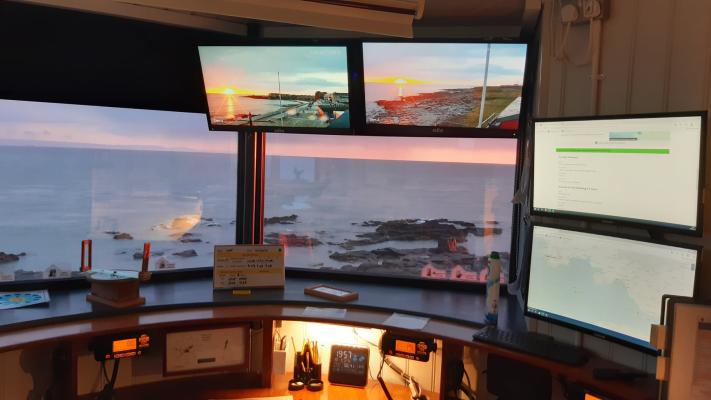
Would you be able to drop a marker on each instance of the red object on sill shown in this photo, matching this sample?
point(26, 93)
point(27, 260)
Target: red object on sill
point(85, 256)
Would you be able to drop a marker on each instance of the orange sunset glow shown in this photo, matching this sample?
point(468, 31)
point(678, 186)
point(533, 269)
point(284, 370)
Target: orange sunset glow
point(446, 150)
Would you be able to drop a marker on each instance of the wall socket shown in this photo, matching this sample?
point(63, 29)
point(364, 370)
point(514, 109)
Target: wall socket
point(595, 9)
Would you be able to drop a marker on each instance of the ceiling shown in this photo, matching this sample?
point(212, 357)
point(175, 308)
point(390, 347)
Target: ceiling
point(472, 12)
point(446, 18)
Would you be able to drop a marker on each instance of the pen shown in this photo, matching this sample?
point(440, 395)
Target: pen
point(293, 344)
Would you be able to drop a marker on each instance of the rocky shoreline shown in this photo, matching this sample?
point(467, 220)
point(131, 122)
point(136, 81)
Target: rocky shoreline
point(448, 258)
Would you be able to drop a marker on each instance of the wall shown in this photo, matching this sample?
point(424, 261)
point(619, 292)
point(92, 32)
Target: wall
point(655, 56)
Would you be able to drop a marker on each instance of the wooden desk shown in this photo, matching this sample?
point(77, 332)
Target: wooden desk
point(454, 317)
point(372, 391)
point(217, 388)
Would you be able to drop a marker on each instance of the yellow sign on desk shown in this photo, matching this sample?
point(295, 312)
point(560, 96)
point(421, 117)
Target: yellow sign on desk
point(248, 266)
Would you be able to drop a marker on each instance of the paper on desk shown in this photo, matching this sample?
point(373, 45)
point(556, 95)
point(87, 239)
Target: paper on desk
point(22, 299)
point(405, 321)
point(319, 312)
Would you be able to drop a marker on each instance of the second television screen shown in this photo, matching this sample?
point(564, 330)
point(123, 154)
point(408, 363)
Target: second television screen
point(301, 87)
point(442, 84)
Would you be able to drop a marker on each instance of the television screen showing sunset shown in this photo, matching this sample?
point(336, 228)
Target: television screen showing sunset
point(277, 86)
point(463, 85)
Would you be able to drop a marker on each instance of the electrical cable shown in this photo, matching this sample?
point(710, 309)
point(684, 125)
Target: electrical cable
point(370, 373)
point(560, 52)
point(108, 392)
point(103, 369)
point(411, 383)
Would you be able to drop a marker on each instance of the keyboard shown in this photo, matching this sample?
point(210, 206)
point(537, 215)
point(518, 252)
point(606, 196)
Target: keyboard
point(533, 344)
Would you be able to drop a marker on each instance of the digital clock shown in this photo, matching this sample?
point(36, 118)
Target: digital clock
point(349, 365)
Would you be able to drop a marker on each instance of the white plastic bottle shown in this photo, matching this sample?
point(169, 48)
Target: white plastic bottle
point(492, 289)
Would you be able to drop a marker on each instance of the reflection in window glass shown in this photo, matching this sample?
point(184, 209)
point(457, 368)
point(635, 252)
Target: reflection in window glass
point(414, 207)
point(117, 176)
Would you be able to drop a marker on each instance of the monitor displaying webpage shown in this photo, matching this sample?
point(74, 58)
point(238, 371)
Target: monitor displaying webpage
point(641, 170)
point(605, 284)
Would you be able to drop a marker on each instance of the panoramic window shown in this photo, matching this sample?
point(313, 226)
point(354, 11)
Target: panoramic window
point(432, 208)
point(120, 177)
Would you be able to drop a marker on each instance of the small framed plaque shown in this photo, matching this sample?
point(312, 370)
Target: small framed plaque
point(248, 266)
point(331, 293)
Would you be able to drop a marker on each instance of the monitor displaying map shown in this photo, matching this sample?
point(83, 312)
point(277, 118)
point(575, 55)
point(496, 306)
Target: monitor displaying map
point(606, 285)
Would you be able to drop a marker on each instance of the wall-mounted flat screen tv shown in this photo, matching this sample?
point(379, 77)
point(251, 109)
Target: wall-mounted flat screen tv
point(276, 88)
point(443, 88)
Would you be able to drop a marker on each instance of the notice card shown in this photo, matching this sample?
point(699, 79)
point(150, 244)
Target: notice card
point(405, 321)
point(318, 312)
point(248, 266)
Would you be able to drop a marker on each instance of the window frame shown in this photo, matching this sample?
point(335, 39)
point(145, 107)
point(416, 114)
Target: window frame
point(250, 179)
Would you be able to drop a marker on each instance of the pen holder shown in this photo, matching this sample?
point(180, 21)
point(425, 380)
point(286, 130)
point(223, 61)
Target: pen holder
point(279, 362)
point(316, 371)
point(300, 373)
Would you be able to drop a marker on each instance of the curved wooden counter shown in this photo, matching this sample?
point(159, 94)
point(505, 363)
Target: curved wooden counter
point(454, 317)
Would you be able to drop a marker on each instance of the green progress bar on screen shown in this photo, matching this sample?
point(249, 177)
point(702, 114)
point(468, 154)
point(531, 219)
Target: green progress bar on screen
point(608, 150)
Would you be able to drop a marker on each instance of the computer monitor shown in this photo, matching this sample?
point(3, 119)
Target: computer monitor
point(443, 89)
point(641, 170)
point(609, 286)
point(277, 88)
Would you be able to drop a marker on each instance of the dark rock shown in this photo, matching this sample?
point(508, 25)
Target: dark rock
point(286, 220)
point(410, 262)
point(186, 253)
point(123, 236)
point(441, 230)
point(291, 239)
point(388, 252)
point(371, 223)
point(351, 256)
point(112, 232)
point(8, 257)
point(486, 231)
point(139, 254)
point(22, 254)
point(214, 225)
point(190, 240)
point(206, 219)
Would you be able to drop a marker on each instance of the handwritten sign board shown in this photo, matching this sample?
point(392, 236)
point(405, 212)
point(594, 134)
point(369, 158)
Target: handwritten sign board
point(248, 266)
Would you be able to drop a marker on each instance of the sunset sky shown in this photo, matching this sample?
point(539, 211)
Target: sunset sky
point(253, 69)
point(448, 65)
point(62, 125)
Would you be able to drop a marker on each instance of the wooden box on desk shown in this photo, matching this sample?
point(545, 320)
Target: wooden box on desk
point(118, 289)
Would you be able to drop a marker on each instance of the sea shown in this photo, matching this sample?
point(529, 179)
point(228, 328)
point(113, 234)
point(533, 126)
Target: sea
point(52, 198)
point(222, 105)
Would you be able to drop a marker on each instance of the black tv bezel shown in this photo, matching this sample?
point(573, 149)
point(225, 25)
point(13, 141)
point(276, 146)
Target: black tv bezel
point(593, 332)
point(651, 226)
point(441, 131)
point(351, 60)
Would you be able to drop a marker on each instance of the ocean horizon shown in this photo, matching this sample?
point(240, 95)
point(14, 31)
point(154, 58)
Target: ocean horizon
point(185, 202)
